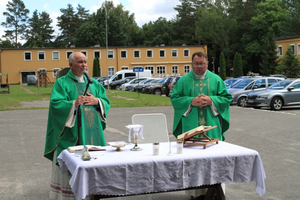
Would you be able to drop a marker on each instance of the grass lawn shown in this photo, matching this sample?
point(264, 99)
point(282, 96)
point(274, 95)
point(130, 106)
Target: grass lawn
point(117, 98)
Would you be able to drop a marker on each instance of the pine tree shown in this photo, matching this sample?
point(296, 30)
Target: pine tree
point(289, 65)
point(16, 19)
point(96, 67)
point(222, 73)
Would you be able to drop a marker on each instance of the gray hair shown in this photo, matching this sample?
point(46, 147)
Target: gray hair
point(71, 58)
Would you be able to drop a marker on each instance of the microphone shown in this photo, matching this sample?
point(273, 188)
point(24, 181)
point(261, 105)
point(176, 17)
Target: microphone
point(90, 81)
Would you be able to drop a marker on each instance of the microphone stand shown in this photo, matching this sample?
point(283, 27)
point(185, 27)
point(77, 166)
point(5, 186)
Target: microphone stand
point(79, 114)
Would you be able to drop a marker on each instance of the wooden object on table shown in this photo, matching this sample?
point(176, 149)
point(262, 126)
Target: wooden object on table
point(203, 139)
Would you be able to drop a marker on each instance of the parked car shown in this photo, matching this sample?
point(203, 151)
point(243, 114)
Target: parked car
point(171, 86)
point(117, 84)
point(146, 87)
point(231, 81)
point(165, 87)
point(241, 90)
point(283, 93)
point(156, 88)
point(130, 85)
point(278, 75)
point(139, 87)
point(102, 79)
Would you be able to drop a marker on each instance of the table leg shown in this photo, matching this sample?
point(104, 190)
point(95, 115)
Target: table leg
point(215, 192)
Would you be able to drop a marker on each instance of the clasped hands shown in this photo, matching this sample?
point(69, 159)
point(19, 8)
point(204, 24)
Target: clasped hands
point(201, 101)
point(88, 100)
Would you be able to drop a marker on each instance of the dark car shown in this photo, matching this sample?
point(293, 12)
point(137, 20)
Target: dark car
point(165, 88)
point(138, 88)
point(174, 81)
point(117, 84)
point(146, 87)
point(102, 79)
point(156, 88)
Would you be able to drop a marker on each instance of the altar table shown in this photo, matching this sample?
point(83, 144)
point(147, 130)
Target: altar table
point(138, 172)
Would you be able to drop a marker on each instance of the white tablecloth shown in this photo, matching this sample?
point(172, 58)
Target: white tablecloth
point(136, 172)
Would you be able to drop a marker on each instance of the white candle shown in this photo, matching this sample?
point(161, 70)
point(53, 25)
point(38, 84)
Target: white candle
point(179, 146)
point(155, 148)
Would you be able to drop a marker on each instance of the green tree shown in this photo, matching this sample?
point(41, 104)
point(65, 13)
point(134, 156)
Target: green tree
point(39, 32)
point(291, 26)
point(269, 56)
point(222, 72)
point(237, 66)
point(122, 29)
point(16, 20)
point(184, 26)
point(96, 67)
point(6, 44)
point(269, 15)
point(289, 64)
point(69, 22)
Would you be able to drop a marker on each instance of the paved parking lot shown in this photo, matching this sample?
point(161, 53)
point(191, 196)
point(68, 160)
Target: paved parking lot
point(25, 173)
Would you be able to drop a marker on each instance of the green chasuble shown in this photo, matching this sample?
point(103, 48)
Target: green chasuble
point(65, 91)
point(186, 89)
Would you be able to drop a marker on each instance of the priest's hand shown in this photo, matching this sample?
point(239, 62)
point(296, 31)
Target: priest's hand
point(80, 100)
point(90, 100)
point(201, 101)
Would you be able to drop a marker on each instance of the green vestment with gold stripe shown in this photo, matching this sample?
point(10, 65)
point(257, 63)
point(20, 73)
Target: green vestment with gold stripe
point(66, 89)
point(186, 89)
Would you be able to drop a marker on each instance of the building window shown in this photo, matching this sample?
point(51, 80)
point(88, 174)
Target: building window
point(149, 54)
point(124, 68)
point(85, 53)
point(110, 54)
point(174, 69)
point(68, 54)
point(55, 72)
point(162, 53)
point(27, 55)
point(136, 53)
point(161, 69)
point(279, 50)
point(186, 53)
point(186, 69)
point(174, 53)
point(97, 54)
point(123, 53)
point(298, 49)
point(111, 71)
point(151, 68)
point(41, 55)
point(292, 47)
point(55, 55)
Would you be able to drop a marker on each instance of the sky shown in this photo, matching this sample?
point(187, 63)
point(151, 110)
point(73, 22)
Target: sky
point(144, 11)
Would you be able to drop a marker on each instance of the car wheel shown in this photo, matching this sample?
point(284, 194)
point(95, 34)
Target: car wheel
point(117, 87)
point(157, 92)
point(242, 102)
point(276, 103)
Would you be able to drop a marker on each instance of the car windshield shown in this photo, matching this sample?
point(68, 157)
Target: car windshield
point(162, 80)
point(155, 81)
point(242, 84)
point(280, 85)
point(229, 81)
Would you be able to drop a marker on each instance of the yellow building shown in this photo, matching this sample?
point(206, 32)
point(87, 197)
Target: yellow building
point(161, 60)
point(283, 43)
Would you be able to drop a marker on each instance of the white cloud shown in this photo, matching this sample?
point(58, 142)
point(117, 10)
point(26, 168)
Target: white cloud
point(46, 6)
point(146, 11)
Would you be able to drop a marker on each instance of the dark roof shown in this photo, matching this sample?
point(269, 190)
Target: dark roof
point(287, 37)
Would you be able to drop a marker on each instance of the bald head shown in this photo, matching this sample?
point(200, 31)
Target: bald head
point(77, 63)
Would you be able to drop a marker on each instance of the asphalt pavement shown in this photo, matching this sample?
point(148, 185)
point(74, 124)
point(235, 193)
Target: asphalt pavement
point(25, 173)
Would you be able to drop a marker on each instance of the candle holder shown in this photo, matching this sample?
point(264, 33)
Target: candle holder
point(137, 130)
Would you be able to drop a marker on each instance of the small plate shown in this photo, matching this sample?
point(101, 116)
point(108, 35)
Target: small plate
point(117, 145)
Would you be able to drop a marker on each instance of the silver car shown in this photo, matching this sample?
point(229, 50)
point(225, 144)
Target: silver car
point(283, 93)
point(241, 90)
